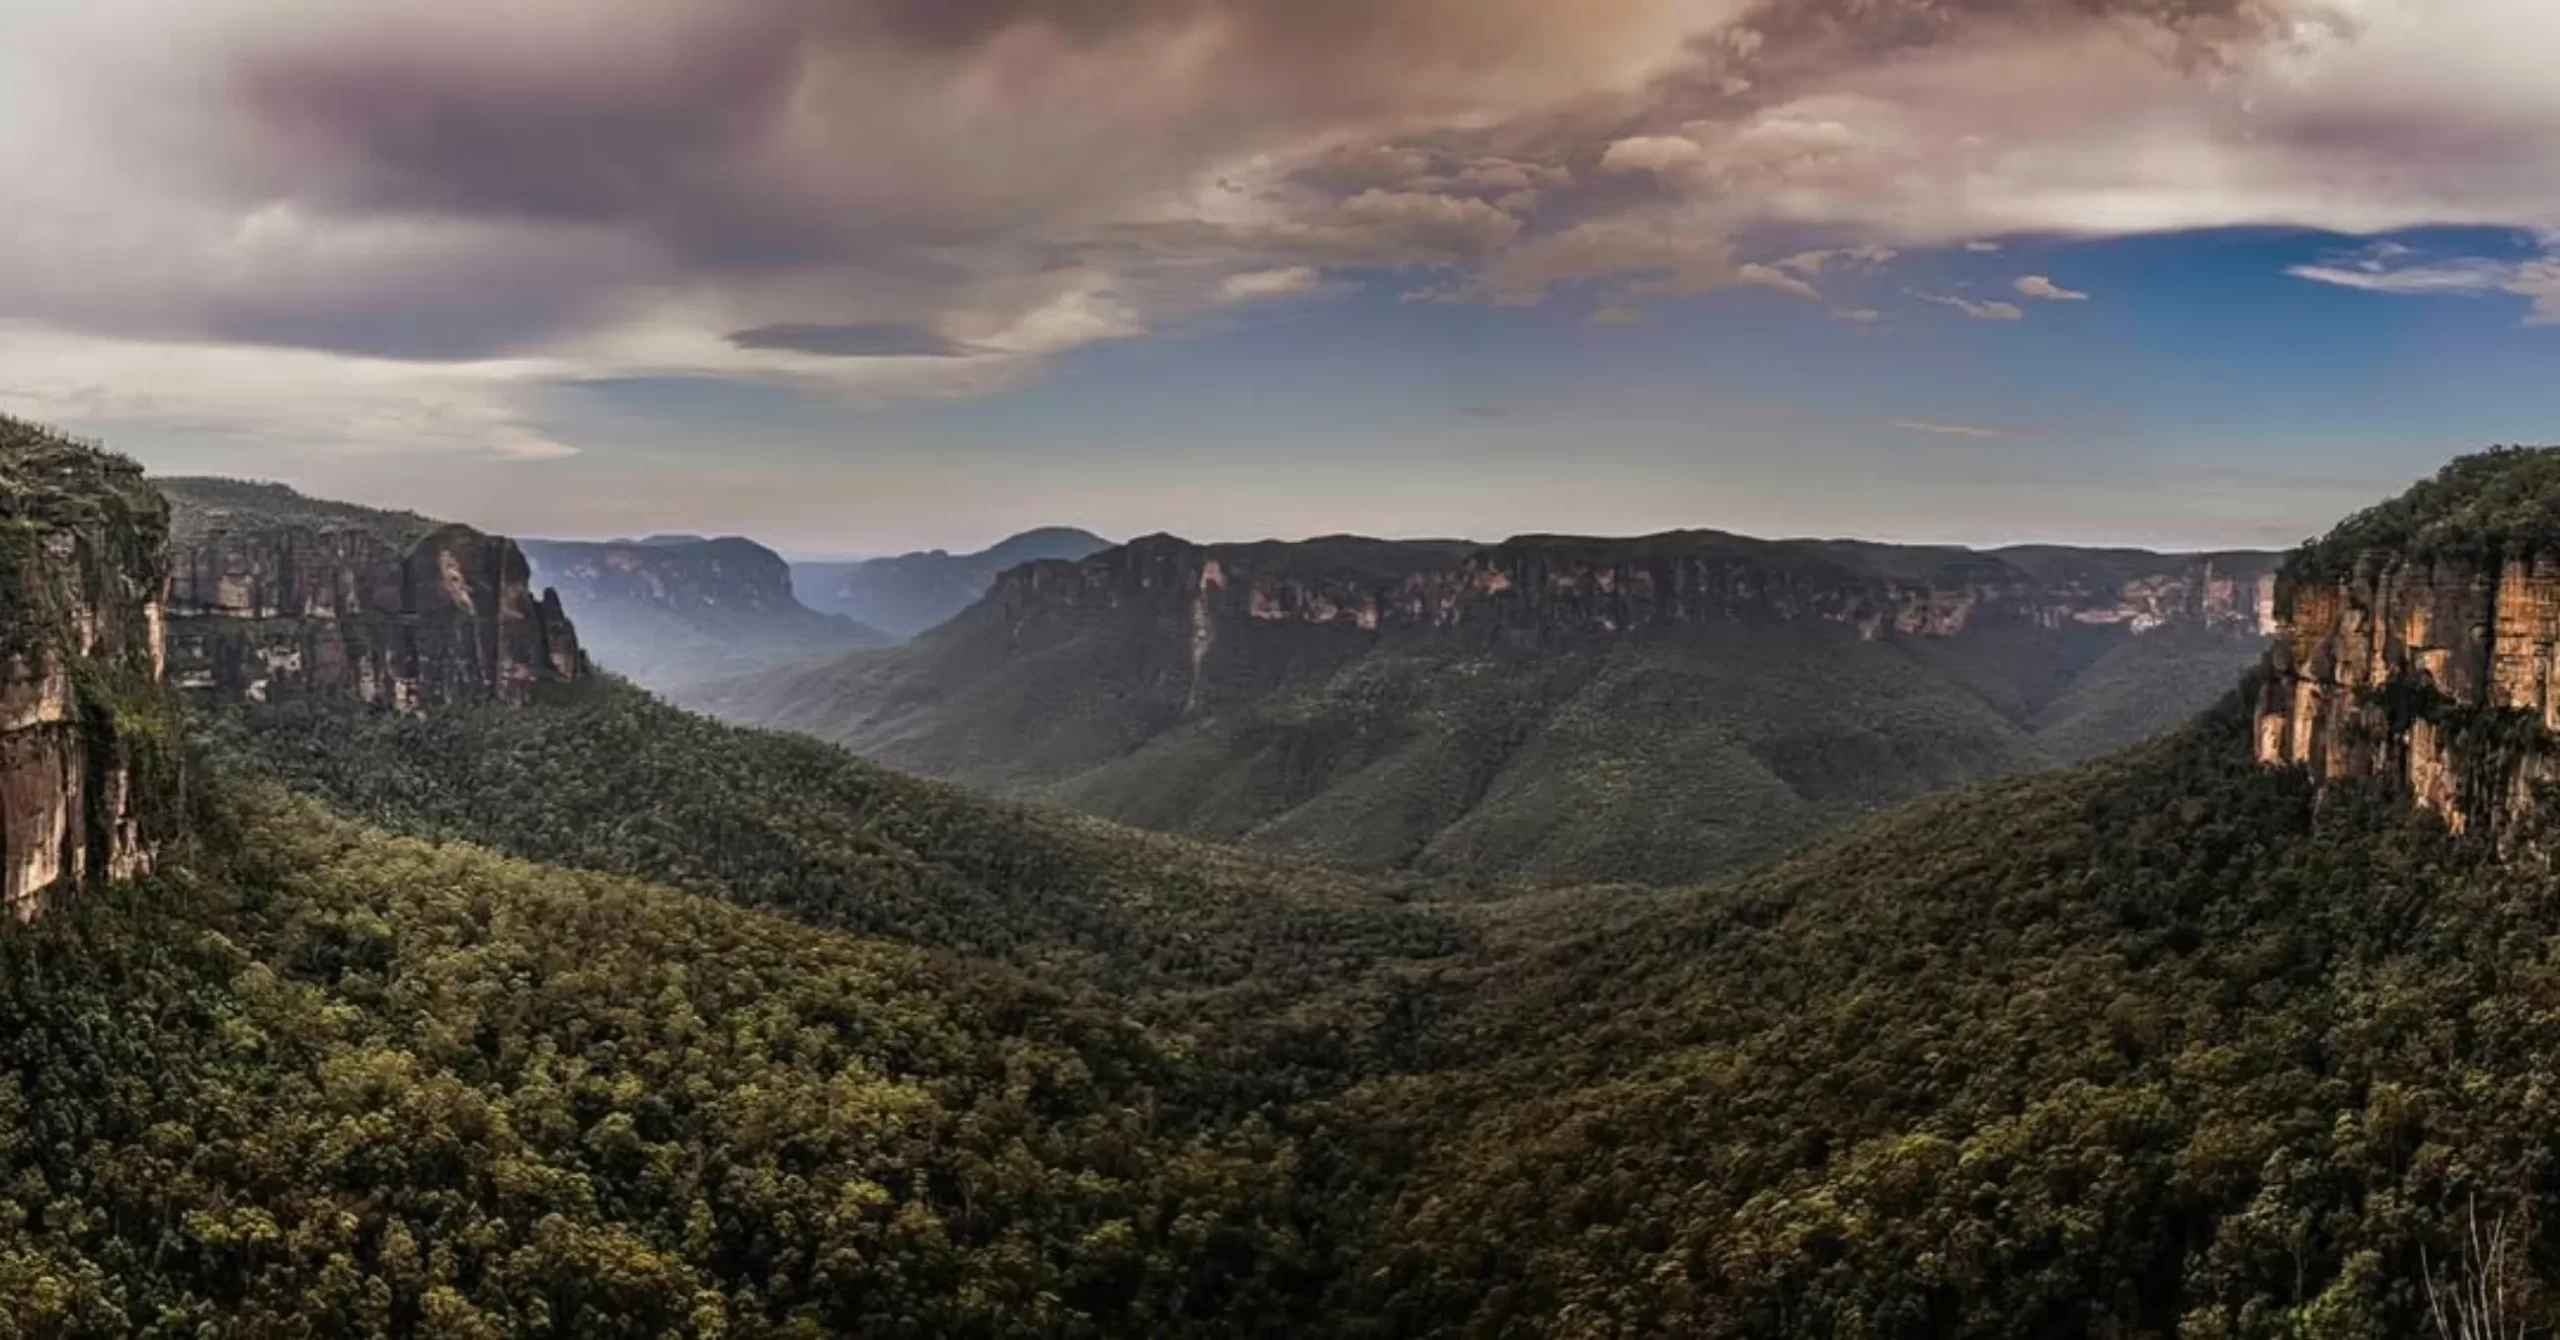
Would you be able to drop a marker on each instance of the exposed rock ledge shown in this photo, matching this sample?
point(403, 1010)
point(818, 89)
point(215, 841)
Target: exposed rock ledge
point(279, 611)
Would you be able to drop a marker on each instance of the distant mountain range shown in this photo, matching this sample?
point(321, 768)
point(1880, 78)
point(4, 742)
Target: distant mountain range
point(672, 610)
point(906, 595)
point(1552, 708)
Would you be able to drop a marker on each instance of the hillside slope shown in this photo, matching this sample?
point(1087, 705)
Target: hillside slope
point(605, 778)
point(1554, 709)
point(2183, 1043)
point(2175, 1044)
point(331, 1082)
point(906, 595)
point(670, 611)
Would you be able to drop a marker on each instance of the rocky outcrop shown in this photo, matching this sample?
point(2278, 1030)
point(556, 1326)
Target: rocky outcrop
point(89, 768)
point(1538, 589)
point(676, 573)
point(258, 613)
point(2435, 673)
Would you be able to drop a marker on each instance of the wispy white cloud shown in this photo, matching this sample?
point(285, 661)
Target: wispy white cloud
point(1979, 311)
point(1278, 283)
point(2039, 286)
point(1770, 276)
point(2394, 268)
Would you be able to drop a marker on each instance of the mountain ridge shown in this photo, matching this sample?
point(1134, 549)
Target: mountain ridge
point(667, 611)
point(1420, 703)
point(906, 594)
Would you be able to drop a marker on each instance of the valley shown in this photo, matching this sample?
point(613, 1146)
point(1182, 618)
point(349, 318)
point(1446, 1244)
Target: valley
point(1553, 709)
point(1279, 670)
point(669, 612)
point(412, 976)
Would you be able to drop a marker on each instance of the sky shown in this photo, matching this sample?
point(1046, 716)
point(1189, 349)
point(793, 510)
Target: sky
point(861, 276)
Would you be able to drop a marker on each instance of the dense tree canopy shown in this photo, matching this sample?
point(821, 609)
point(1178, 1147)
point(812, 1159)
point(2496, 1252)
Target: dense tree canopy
point(341, 1084)
point(2157, 1047)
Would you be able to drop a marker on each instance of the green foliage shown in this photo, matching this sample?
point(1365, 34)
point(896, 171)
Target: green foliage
point(604, 778)
point(206, 506)
point(358, 1085)
point(2152, 1048)
point(2157, 1047)
point(2478, 508)
point(1661, 761)
point(2488, 746)
point(78, 526)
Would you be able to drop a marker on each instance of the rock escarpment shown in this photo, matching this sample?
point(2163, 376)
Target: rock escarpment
point(89, 765)
point(677, 573)
point(266, 604)
point(2421, 644)
point(1337, 598)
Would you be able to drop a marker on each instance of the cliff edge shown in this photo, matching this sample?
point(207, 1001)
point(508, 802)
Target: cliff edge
point(273, 594)
point(2419, 640)
point(89, 766)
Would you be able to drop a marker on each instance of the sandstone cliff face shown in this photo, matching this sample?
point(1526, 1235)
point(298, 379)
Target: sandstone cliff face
point(259, 614)
point(1336, 599)
point(2438, 674)
point(88, 760)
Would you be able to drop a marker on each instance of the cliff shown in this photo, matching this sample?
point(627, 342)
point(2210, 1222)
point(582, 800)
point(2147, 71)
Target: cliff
point(672, 610)
point(89, 769)
point(274, 601)
point(1551, 709)
point(2418, 645)
point(676, 573)
point(1340, 596)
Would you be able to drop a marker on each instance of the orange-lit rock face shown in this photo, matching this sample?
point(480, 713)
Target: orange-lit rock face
point(289, 611)
point(2483, 637)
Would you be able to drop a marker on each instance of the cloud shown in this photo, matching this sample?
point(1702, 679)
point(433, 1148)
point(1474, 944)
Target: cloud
point(1257, 284)
point(1659, 154)
point(1982, 248)
point(875, 339)
point(304, 399)
point(1979, 311)
point(1946, 429)
point(2038, 286)
point(2388, 267)
point(1815, 262)
point(557, 190)
point(1769, 276)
